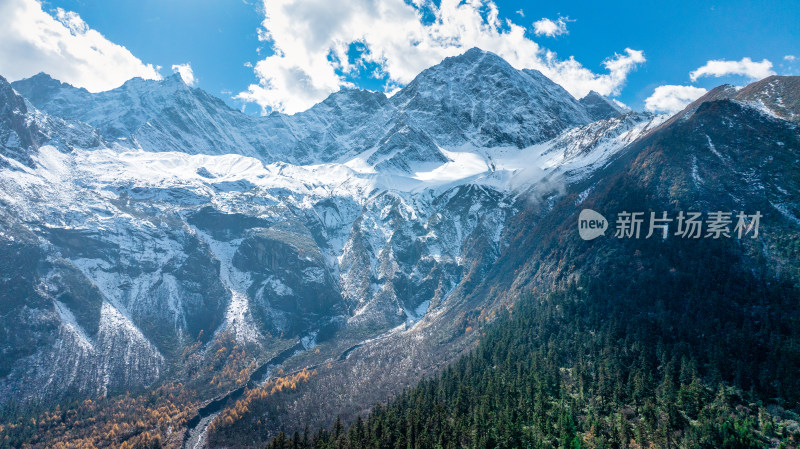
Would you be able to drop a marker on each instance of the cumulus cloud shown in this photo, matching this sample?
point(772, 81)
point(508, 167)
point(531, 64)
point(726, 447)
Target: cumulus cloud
point(745, 67)
point(186, 72)
point(790, 58)
point(551, 28)
point(62, 45)
point(311, 43)
point(671, 98)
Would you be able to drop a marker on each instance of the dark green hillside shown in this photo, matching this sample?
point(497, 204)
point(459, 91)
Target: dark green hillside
point(650, 353)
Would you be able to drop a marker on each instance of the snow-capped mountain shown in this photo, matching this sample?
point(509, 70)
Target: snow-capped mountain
point(476, 98)
point(600, 107)
point(138, 221)
point(479, 98)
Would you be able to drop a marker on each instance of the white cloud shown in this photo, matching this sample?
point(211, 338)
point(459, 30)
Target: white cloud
point(790, 58)
point(521, 13)
point(670, 98)
point(547, 27)
point(621, 104)
point(745, 67)
point(63, 46)
point(310, 40)
point(186, 72)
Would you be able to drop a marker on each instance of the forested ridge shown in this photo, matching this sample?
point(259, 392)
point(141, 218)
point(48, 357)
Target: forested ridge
point(669, 344)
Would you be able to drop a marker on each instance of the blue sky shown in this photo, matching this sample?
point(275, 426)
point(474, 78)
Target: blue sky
point(220, 41)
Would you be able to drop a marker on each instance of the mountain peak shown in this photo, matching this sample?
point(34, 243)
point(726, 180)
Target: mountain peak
point(779, 94)
point(355, 96)
point(138, 84)
point(9, 100)
point(600, 107)
point(474, 53)
point(43, 88)
point(475, 57)
point(513, 107)
point(594, 95)
point(42, 80)
point(175, 78)
point(41, 77)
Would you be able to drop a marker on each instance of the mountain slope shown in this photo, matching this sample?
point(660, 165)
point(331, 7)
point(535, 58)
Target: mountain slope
point(579, 367)
point(690, 294)
point(168, 242)
point(153, 250)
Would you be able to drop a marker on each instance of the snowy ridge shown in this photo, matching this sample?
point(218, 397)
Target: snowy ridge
point(164, 216)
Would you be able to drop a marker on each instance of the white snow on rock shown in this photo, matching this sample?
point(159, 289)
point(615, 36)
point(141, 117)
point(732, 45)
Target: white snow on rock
point(358, 193)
